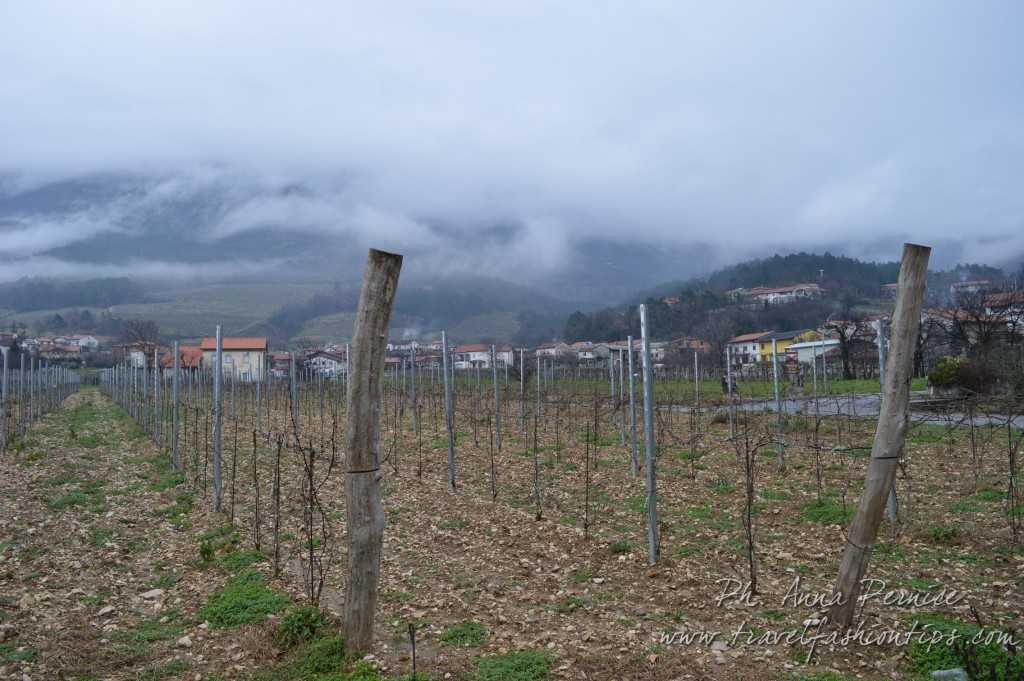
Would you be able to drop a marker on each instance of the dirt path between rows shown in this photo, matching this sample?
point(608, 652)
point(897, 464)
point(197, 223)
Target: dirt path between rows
point(100, 576)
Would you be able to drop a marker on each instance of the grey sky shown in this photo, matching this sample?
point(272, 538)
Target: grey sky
point(748, 126)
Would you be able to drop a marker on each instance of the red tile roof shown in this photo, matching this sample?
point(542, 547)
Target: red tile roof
point(472, 347)
point(235, 343)
point(191, 357)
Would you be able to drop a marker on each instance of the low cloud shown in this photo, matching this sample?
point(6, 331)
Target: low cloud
point(422, 129)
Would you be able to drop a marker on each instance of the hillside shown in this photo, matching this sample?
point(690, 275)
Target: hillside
point(470, 309)
point(699, 306)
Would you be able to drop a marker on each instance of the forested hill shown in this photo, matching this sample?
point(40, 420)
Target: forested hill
point(699, 307)
point(830, 271)
point(44, 294)
point(835, 273)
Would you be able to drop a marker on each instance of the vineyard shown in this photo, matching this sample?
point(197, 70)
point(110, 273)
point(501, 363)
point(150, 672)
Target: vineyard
point(540, 522)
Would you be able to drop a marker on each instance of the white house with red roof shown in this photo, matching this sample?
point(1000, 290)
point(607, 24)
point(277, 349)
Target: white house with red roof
point(473, 355)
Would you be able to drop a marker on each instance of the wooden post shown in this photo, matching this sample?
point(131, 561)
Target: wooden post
point(362, 480)
point(889, 435)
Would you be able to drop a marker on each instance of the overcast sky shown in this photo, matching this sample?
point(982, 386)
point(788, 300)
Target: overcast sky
point(753, 126)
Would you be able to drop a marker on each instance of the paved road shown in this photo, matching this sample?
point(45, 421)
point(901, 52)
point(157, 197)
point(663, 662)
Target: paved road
point(869, 405)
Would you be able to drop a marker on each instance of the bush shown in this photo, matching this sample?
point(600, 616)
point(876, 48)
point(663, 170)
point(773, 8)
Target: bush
point(1017, 383)
point(961, 372)
point(301, 624)
point(946, 373)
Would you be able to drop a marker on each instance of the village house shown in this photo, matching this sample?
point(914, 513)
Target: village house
point(84, 341)
point(691, 344)
point(190, 359)
point(279, 363)
point(63, 355)
point(782, 340)
point(479, 355)
point(766, 295)
point(1007, 303)
point(806, 351)
point(588, 353)
point(553, 350)
point(745, 349)
point(326, 363)
point(402, 348)
point(241, 356)
point(963, 288)
point(138, 354)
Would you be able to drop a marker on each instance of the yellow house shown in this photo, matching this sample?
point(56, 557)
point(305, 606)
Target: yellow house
point(242, 357)
point(783, 339)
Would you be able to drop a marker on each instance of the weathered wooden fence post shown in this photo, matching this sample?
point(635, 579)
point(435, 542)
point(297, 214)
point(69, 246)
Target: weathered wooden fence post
point(649, 447)
point(362, 480)
point(889, 435)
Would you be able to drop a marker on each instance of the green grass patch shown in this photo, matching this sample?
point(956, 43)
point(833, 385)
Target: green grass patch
point(238, 560)
point(165, 671)
point(12, 652)
point(570, 604)
point(637, 503)
point(98, 536)
point(168, 481)
point(926, 657)
point(620, 546)
point(182, 507)
point(244, 598)
point(151, 629)
point(928, 433)
point(519, 665)
point(826, 512)
point(581, 576)
point(943, 534)
point(721, 486)
point(990, 496)
point(775, 495)
point(453, 524)
point(968, 505)
point(468, 633)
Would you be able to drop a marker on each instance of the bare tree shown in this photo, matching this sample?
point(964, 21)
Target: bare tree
point(847, 331)
point(140, 331)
